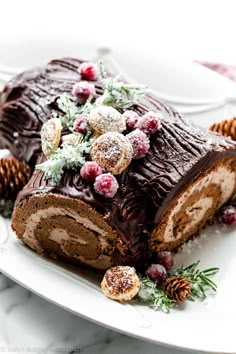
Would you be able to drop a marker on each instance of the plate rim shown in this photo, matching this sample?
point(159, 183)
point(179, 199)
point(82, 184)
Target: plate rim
point(43, 265)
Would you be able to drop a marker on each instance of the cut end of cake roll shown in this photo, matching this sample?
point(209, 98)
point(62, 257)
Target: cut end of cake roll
point(64, 228)
point(195, 206)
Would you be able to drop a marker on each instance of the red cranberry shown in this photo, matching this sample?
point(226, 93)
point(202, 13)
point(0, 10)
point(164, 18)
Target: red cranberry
point(149, 123)
point(157, 273)
point(131, 118)
point(165, 258)
point(88, 71)
point(106, 185)
point(81, 123)
point(140, 143)
point(228, 215)
point(83, 90)
point(90, 170)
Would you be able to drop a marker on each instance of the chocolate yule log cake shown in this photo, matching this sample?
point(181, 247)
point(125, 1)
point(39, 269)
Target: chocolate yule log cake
point(121, 177)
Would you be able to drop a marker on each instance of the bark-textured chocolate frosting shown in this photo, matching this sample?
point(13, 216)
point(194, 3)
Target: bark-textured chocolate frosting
point(26, 103)
point(180, 156)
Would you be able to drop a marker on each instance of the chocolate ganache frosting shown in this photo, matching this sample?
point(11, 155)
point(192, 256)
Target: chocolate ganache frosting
point(179, 153)
point(27, 102)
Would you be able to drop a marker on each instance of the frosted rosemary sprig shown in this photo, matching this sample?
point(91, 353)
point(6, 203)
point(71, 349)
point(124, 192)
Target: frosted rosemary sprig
point(102, 71)
point(200, 281)
point(116, 94)
point(68, 156)
point(70, 110)
point(119, 94)
point(153, 296)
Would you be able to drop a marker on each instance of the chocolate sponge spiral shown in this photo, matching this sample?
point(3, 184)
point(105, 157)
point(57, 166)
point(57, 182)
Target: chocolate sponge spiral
point(163, 199)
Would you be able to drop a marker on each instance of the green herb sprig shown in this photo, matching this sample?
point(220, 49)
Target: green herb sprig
point(68, 156)
point(153, 296)
point(200, 281)
point(119, 94)
point(70, 110)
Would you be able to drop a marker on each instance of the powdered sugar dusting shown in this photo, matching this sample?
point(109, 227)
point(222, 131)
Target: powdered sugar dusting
point(140, 143)
point(105, 119)
point(112, 151)
point(106, 185)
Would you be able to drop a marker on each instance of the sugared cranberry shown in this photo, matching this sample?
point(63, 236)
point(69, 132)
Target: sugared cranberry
point(149, 123)
point(106, 185)
point(157, 273)
point(140, 143)
point(90, 170)
point(165, 258)
point(83, 90)
point(131, 118)
point(88, 71)
point(228, 215)
point(81, 123)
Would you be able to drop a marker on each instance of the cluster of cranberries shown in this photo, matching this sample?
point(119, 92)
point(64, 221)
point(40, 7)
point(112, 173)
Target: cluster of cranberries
point(158, 271)
point(147, 124)
point(143, 126)
point(140, 126)
point(104, 183)
point(83, 90)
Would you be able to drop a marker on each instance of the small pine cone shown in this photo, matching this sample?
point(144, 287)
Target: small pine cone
point(177, 288)
point(14, 175)
point(226, 128)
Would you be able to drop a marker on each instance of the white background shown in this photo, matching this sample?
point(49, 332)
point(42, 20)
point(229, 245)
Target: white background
point(202, 29)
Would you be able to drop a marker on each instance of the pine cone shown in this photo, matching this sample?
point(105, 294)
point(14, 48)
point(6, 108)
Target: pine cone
point(226, 128)
point(14, 175)
point(177, 288)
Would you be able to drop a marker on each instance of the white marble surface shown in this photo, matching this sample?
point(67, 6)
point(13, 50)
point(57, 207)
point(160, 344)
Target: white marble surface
point(29, 324)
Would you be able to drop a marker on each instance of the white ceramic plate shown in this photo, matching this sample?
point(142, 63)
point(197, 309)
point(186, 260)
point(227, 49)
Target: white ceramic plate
point(207, 326)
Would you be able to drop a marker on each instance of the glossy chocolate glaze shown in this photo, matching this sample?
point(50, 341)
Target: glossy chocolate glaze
point(179, 152)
